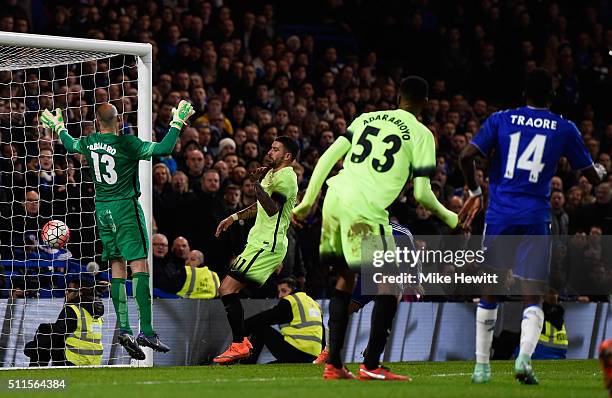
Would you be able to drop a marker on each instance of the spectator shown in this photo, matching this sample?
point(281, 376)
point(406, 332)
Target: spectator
point(194, 168)
point(598, 213)
point(231, 199)
point(559, 218)
point(166, 274)
point(180, 250)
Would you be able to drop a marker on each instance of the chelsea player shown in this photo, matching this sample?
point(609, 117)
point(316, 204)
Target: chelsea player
point(527, 143)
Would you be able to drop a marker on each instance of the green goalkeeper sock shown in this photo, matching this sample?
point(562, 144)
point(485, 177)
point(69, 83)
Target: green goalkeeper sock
point(119, 296)
point(143, 301)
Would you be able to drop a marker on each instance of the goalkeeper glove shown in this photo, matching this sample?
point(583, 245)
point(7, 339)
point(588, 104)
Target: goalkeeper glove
point(51, 121)
point(181, 113)
point(600, 170)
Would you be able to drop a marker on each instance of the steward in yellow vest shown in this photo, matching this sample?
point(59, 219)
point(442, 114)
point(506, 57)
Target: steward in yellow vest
point(300, 339)
point(200, 282)
point(75, 339)
point(553, 341)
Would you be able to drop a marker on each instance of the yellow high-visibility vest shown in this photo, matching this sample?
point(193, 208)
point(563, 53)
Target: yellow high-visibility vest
point(553, 337)
point(201, 283)
point(84, 345)
point(305, 332)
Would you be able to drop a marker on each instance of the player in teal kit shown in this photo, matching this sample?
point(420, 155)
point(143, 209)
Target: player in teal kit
point(113, 161)
point(383, 151)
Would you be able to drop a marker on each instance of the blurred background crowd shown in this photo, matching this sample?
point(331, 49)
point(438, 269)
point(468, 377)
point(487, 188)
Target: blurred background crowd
point(255, 70)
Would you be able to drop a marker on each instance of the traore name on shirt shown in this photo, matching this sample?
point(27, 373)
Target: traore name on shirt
point(397, 121)
point(103, 146)
point(537, 122)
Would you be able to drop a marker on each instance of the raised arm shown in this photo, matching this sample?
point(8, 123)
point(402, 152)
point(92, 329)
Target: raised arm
point(180, 115)
point(331, 156)
point(56, 124)
point(425, 196)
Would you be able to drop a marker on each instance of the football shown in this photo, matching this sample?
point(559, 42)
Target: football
point(55, 234)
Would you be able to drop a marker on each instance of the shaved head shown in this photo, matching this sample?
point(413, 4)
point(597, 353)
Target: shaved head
point(107, 115)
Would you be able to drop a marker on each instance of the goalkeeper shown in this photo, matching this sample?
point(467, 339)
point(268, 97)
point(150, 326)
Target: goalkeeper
point(113, 161)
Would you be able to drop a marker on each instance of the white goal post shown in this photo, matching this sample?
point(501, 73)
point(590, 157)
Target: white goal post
point(26, 52)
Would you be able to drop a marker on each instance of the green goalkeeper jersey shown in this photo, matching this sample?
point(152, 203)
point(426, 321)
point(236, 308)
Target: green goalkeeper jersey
point(387, 149)
point(113, 162)
point(270, 233)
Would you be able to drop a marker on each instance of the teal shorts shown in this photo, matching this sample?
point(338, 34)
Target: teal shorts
point(122, 229)
point(256, 264)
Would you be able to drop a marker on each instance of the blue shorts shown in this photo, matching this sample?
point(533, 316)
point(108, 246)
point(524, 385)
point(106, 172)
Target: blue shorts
point(361, 299)
point(523, 248)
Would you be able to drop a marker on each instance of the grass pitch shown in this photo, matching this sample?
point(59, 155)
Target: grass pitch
point(580, 379)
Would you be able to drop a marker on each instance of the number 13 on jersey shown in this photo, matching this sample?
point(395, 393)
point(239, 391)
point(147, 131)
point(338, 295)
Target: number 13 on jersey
point(109, 174)
point(531, 158)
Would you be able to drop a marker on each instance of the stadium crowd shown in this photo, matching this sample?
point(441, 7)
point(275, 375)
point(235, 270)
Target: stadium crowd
point(252, 78)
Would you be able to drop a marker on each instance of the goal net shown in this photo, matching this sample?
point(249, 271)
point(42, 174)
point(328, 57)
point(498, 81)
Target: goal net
point(40, 182)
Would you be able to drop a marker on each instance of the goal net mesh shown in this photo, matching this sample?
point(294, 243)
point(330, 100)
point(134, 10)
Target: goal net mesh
point(39, 182)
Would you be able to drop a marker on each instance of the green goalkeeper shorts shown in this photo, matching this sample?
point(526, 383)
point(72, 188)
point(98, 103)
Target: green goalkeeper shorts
point(122, 228)
point(256, 264)
point(350, 238)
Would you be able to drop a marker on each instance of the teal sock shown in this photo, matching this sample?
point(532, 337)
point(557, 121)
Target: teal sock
point(119, 296)
point(142, 294)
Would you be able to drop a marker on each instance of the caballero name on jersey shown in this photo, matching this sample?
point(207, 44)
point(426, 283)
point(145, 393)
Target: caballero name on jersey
point(103, 146)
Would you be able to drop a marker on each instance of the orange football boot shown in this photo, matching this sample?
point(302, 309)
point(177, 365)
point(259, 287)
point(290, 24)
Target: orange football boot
point(234, 353)
point(380, 373)
point(332, 373)
point(322, 358)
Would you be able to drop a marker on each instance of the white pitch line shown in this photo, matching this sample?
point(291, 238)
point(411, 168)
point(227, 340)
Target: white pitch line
point(205, 381)
point(450, 374)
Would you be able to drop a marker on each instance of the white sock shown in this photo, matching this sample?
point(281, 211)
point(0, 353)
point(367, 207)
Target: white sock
point(486, 315)
point(326, 338)
point(531, 327)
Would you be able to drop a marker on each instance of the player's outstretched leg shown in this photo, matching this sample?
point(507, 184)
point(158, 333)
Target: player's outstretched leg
point(385, 307)
point(531, 327)
point(605, 358)
point(486, 316)
point(142, 293)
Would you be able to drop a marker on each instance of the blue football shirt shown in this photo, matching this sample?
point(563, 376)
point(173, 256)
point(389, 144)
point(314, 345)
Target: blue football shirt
point(527, 143)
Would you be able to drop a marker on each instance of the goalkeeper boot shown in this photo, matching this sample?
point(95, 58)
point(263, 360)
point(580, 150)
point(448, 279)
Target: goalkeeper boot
point(322, 358)
point(523, 371)
point(333, 373)
point(605, 358)
point(131, 346)
point(152, 342)
point(234, 353)
point(482, 373)
point(380, 373)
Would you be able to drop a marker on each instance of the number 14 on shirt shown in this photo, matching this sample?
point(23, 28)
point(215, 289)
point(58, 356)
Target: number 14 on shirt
point(531, 158)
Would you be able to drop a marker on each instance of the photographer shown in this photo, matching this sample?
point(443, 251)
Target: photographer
point(75, 339)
